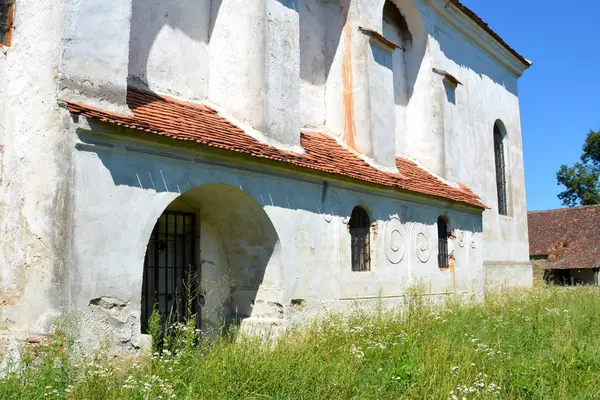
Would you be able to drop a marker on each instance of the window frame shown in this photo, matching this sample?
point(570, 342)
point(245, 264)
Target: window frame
point(500, 168)
point(360, 240)
point(443, 248)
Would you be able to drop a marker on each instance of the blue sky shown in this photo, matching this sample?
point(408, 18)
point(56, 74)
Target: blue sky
point(560, 94)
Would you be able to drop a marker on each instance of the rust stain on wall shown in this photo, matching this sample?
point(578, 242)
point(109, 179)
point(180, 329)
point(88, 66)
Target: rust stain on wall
point(348, 87)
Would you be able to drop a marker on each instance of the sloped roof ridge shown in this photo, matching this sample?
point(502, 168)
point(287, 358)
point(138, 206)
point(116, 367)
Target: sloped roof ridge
point(486, 27)
point(563, 209)
point(177, 119)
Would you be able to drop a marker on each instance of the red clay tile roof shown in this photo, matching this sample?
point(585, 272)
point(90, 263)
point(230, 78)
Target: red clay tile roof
point(570, 236)
point(201, 124)
point(469, 13)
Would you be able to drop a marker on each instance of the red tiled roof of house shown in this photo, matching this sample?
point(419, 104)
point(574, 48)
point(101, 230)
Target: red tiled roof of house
point(569, 236)
point(201, 124)
point(471, 14)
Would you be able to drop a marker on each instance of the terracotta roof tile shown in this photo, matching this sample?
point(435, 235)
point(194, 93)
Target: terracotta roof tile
point(569, 236)
point(185, 121)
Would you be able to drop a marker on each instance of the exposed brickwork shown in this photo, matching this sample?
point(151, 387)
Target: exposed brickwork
point(570, 237)
point(201, 124)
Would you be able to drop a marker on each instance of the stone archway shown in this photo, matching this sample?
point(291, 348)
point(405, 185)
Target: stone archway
point(228, 243)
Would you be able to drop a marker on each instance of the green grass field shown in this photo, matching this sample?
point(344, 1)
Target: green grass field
point(537, 344)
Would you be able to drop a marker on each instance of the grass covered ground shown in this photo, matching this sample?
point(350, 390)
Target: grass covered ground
point(537, 344)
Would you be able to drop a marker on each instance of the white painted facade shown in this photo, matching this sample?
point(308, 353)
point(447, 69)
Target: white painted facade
point(79, 199)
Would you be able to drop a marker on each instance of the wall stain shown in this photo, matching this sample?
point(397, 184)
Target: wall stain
point(348, 88)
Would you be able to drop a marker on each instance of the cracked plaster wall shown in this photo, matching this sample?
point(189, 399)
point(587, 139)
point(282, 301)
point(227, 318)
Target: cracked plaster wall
point(35, 181)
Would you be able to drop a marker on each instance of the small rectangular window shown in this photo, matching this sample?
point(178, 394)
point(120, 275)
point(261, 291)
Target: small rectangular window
point(443, 256)
point(360, 227)
point(7, 11)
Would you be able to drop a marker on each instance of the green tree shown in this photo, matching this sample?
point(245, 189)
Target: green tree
point(582, 179)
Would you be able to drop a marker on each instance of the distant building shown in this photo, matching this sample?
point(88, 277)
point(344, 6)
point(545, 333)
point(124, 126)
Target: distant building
point(564, 245)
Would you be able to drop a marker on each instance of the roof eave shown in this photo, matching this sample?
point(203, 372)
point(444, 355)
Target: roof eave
point(479, 32)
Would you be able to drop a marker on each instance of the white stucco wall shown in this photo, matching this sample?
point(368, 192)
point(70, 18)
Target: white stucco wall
point(168, 48)
point(489, 92)
point(122, 187)
point(35, 182)
point(272, 65)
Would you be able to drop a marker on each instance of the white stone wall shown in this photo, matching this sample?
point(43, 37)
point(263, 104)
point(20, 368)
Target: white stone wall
point(123, 186)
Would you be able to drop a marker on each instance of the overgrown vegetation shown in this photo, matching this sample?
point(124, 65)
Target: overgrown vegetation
point(542, 343)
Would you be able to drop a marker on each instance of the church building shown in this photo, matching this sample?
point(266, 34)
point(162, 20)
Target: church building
point(253, 162)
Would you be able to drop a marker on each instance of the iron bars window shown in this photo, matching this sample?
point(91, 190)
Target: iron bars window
point(443, 261)
point(169, 282)
point(500, 169)
point(7, 8)
point(359, 233)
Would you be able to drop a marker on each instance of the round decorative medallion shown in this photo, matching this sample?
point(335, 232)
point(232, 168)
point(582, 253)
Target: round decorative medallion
point(395, 240)
point(423, 247)
point(462, 238)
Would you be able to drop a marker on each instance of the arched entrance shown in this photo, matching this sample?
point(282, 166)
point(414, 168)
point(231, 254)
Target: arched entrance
point(210, 253)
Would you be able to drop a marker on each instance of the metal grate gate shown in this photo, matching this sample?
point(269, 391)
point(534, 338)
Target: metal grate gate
point(169, 273)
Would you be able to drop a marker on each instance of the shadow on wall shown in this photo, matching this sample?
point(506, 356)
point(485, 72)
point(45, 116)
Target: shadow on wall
point(170, 175)
point(321, 26)
point(235, 243)
point(191, 19)
point(412, 35)
point(150, 17)
point(458, 49)
point(238, 243)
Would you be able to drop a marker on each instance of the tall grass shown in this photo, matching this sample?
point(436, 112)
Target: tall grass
point(542, 343)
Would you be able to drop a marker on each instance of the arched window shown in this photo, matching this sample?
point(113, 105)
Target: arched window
point(359, 232)
point(395, 29)
point(393, 18)
point(500, 168)
point(443, 261)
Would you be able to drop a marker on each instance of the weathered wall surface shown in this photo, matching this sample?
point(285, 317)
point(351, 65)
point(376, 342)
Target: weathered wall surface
point(307, 258)
point(168, 46)
point(35, 182)
point(488, 93)
point(538, 267)
point(94, 52)
point(275, 66)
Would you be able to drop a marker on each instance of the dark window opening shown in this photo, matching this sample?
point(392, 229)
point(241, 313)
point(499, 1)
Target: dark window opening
point(169, 282)
point(500, 169)
point(393, 16)
point(359, 232)
point(572, 277)
point(7, 8)
point(443, 260)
